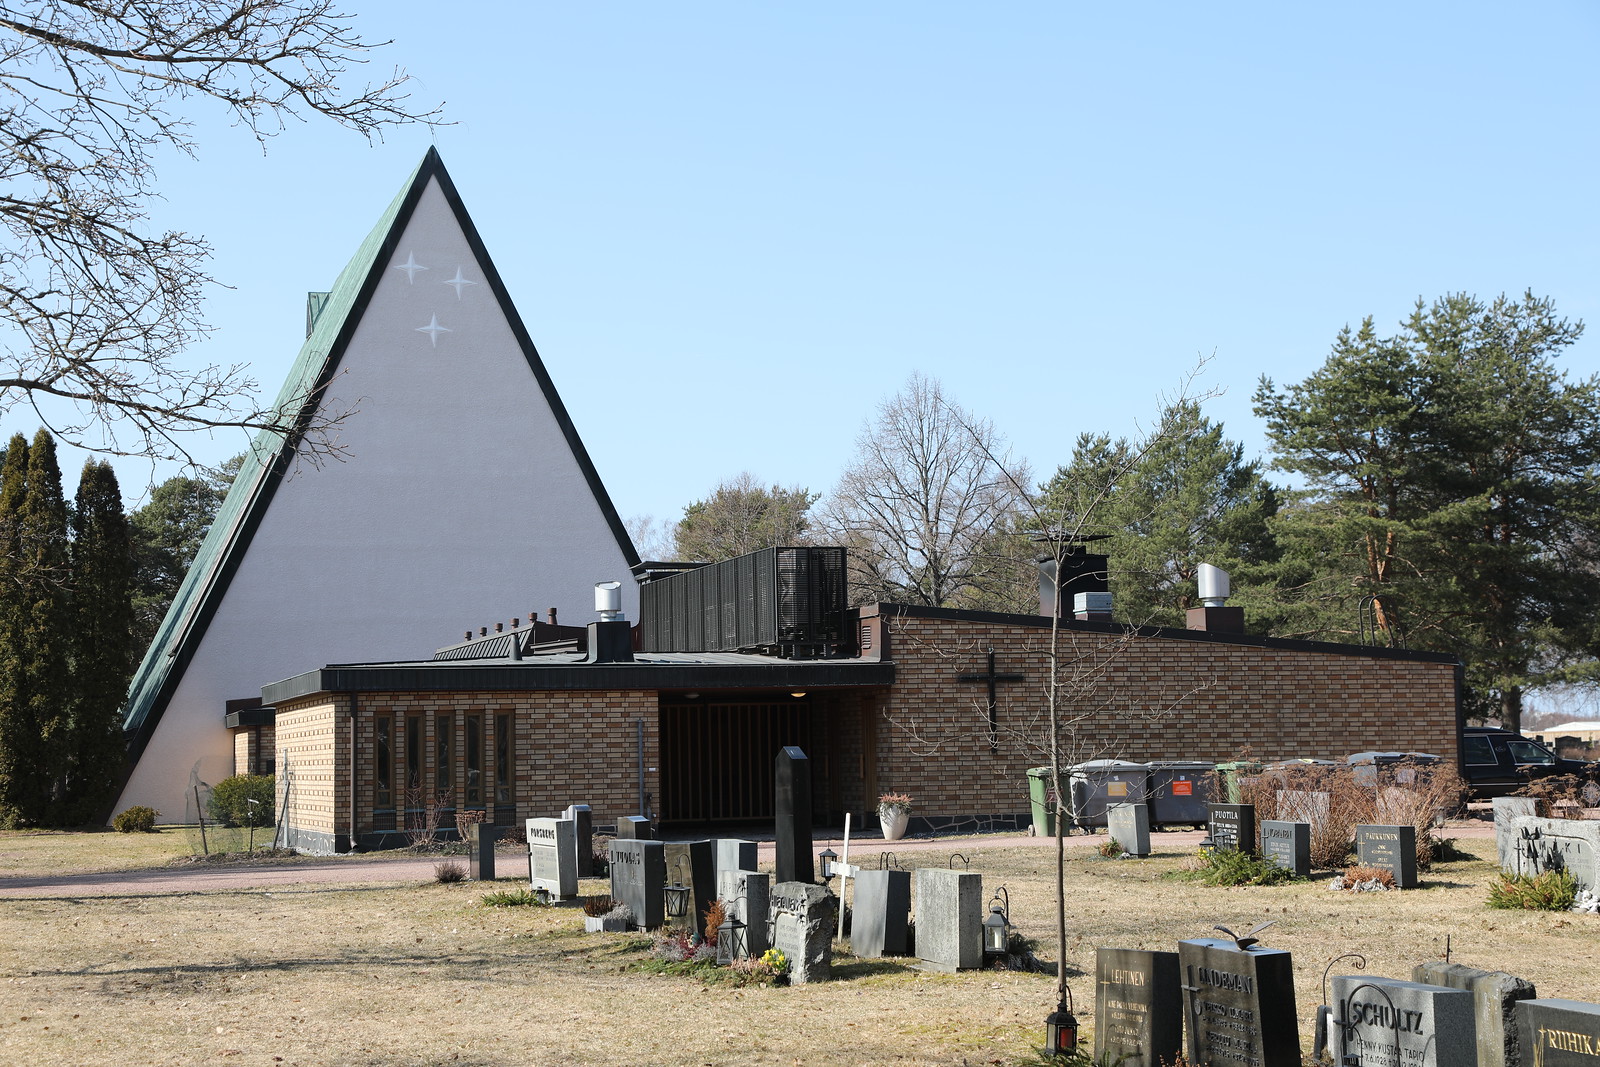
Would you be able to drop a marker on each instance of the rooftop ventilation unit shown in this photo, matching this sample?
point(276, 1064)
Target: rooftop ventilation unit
point(785, 600)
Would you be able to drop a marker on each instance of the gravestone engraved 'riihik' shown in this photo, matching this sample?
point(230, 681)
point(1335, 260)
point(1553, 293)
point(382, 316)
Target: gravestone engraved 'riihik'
point(1571, 845)
point(1239, 1004)
point(793, 861)
point(881, 913)
point(1389, 848)
point(1129, 825)
point(553, 856)
point(1506, 811)
point(693, 864)
point(1138, 1011)
point(802, 929)
point(1232, 826)
point(638, 875)
point(1495, 995)
point(583, 816)
point(949, 918)
point(1385, 1022)
point(1287, 845)
point(1558, 1033)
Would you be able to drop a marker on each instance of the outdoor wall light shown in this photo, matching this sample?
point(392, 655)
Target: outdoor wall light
point(825, 861)
point(1061, 1028)
point(997, 927)
point(677, 896)
point(797, 695)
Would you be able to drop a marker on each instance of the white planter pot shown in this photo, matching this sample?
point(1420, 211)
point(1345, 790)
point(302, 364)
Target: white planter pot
point(894, 824)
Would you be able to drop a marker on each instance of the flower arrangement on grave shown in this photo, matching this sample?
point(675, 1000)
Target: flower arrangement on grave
point(894, 804)
point(775, 959)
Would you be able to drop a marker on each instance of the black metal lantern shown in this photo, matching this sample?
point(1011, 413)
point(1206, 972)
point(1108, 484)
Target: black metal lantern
point(825, 861)
point(731, 942)
point(1061, 1029)
point(677, 896)
point(997, 927)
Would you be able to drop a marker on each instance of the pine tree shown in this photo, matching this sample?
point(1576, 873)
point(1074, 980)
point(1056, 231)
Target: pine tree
point(43, 634)
point(16, 725)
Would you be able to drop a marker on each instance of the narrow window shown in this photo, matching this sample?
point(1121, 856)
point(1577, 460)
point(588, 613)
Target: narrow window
point(443, 780)
point(474, 742)
point(414, 752)
point(383, 764)
point(502, 759)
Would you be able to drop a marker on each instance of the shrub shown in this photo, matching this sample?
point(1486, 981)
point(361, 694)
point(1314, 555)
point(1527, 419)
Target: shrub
point(138, 819)
point(1227, 866)
point(1358, 879)
point(449, 872)
point(596, 906)
point(230, 799)
point(1109, 850)
point(511, 898)
point(716, 915)
point(1546, 891)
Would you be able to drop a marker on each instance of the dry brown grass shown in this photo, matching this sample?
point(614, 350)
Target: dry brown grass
point(422, 974)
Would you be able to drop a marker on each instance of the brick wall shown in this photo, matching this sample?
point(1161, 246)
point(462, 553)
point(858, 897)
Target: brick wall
point(316, 804)
point(253, 750)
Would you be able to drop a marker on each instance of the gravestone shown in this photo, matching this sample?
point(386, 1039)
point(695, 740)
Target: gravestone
point(882, 910)
point(949, 919)
point(1304, 805)
point(1495, 995)
point(792, 797)
point(1506, 811)
point(635, 828)
point(1138, 1010)
point(732, 854)
point(1389, 848)
point(1232, 826)
point(1558, 1033)
point(481, 837)
point(583, 816)
point(1387, 1022)
point(638, 875)
point(691, 863)
point(747, 896)
point(553, 856)
point(802, 929)
point(1572, 845)
point(1129, 825)
point(1239, 1004)
point(1287, 845)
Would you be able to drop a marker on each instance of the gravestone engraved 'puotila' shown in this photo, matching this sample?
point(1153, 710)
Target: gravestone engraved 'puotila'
point(583, 816)
point(1232, 826)
point(881, 913)
point(1239, 1004)
point(1506, 811)
point(481, 837)
point(1129, 825)
point(692, 863)
point(1287, 845)
point(553, 856)
point(792, 822)
point(638, 875)
point(802, 929)
point(1494, 1000)
point(1138, 1011)
point(1389, 848)
point(1386, 1022)
point(949, 918)
point(1571, 845)
point(1558, 1033)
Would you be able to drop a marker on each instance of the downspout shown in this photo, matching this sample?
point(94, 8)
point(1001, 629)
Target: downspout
point(354, 703)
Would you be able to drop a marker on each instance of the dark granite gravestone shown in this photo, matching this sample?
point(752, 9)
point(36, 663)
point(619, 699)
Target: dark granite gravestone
point(793, 819)
point(583, 816)
point(1129, 826)
point(1386, 1022)
point(1239, 1004)
point(635, 828)
point(638, 875)
point(1138, 1010)
point(1232, 826)
point(692, 863)
point(553, 856)
point(1558, 1033)
point(881, 913)
point(1389, 848)
point(802, 928)
point(1495, 995)
point(481, 837)
point(1287, 845)
point(949, 919)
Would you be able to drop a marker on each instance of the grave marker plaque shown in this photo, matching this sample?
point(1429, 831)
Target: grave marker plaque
point(1386, 1022)
point(1129, 825)
point(1558, 1033)
point(1571, 845)
point(1304, 805)
point(733, 854)
point(1287, 845)
point(481, 837)
point(1495, 995)
point(1389, 848)
point(1239, 1004)
point(1138, 1011)
point(949, 919)
point(635, 828)
point(553, 856)
point(691, 863)
point(802, 928)
point(881, 914)
point(1232, 826)
point(638, 875)
point(583, 816)
point(1506, 811)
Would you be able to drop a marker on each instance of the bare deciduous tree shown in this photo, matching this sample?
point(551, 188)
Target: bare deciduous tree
point(98, 305)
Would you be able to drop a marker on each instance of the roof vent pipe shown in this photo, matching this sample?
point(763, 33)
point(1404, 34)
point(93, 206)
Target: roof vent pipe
point(1214, 586)
point(608, 600)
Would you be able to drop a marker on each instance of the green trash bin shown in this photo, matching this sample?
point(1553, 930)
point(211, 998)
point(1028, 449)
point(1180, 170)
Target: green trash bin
point(1044, 801)
point(1230, 773)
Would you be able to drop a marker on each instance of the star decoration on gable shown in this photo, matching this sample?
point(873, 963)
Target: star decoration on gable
point(458, 281)
point(410, 266)
point(433, 330)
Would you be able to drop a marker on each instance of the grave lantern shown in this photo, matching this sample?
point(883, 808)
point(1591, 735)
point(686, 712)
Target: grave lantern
point(825, 860)
point(1061, 1028)
point(677, 896)
point(731, 942)
point(997, 927)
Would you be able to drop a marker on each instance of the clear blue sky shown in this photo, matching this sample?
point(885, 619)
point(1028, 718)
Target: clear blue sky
point(733, 228)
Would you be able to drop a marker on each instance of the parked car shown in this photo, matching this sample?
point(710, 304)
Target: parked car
point(1497, 762)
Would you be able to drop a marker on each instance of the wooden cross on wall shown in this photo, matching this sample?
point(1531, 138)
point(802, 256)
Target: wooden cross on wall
point(990, 677)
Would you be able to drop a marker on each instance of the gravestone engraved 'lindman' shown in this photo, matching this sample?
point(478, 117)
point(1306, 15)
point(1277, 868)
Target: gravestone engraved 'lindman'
point(1232, 826)
point(1506, 812)
point(692, 863)
point(1138, 1011)
point(792, 823)
point(881, 913)
point(1129, 825)
point(1389, 848)
point(1287, 845)
point(553, 856)
point(802, 929)
point(481, 837)
point(1558, 1033)
point(1239, 1004)
point(638, 874)
point(583, 816)
point(1386, 1022)
point(1572, 845)
point(1494, 1000)
point(949, 918)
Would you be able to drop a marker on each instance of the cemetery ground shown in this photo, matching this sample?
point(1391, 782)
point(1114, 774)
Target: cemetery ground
point(417, 972)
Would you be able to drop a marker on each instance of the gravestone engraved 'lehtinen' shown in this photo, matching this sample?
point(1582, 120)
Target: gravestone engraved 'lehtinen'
point(1385, 1022)
point(553, 856)
point(1558, 1033)
point(1232, 826)
point(949, 918)
point(638, 875)
point(1287, 845)
point(793, 861)
point(1129, 825)
point(1389, 848)
point(481, 837)
point(1138, 1011)
point(802, 929)
point(583, 816)
point(1506, 812)
point(1239, 1004)
point(881, 914)
point(1571, 845)
point(1494, 1000)
point(692, 864)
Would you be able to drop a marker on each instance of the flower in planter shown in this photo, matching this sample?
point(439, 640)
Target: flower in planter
point(894, 804)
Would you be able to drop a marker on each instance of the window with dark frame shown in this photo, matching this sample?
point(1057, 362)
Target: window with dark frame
point(383, 763)
point(444, 756)
point(502, 759)
point(413, 751)
point(474, 744)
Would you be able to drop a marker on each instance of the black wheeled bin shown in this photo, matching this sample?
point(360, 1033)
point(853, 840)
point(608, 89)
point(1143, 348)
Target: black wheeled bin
point(1179, 792)
point(1100, 782)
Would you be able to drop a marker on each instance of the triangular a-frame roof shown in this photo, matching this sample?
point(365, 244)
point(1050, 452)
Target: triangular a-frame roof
point(272, 458)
